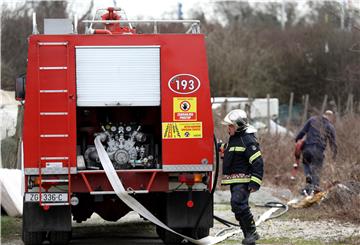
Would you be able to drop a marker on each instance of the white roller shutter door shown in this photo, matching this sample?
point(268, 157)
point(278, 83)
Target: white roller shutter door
point(118, 75)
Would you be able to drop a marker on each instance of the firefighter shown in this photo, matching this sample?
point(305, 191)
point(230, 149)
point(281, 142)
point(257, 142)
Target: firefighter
point(318, 131)
point(242, 170)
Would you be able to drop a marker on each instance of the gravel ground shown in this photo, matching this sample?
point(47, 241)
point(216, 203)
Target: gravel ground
point(325, 231)
point(273, 231)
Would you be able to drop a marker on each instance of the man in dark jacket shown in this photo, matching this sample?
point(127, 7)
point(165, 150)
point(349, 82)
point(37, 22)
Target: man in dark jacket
point(242, 170)
point(318, 131)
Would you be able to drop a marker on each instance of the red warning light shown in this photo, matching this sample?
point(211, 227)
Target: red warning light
point(190, 204)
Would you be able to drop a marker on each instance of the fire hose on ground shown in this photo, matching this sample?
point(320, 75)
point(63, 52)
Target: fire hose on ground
point(141, 210)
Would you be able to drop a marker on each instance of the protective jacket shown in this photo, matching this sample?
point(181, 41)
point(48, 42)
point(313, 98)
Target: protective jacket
point(242, 162)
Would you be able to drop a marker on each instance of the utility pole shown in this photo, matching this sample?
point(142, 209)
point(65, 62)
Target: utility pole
point(290, 112)
point(342, 15)
point(350, 10)
point(283, 15)
point(268, 113)
point(180, 13)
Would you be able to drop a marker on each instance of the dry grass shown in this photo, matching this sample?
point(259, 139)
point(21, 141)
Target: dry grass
point(278, 156)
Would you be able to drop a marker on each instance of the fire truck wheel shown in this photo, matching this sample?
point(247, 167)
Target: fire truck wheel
point(33, 238)
point(59, 237)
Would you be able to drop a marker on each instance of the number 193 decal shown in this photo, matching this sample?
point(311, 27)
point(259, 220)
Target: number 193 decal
point(184, 84)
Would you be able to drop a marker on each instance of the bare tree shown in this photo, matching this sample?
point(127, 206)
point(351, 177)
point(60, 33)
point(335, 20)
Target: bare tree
point(248, 53)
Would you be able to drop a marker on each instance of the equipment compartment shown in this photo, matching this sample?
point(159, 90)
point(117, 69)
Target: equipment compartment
point(132, 136)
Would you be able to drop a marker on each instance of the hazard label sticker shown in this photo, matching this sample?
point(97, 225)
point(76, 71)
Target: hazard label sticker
point(181, 130)
point(185, 109)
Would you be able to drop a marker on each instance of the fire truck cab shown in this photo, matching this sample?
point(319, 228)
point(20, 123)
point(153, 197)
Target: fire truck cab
point(149, 94)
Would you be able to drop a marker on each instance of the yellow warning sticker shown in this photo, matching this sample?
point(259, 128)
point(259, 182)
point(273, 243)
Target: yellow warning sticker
point(181, 130)
point(185, 109)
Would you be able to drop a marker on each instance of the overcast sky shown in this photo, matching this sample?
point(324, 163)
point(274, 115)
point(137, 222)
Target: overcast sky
point(133, 8)
point(157, 9)
point(150, 8)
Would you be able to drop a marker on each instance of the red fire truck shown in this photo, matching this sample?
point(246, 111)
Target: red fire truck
point(149, 94)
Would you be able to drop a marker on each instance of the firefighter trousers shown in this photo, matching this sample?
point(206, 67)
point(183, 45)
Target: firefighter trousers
point(240, 207)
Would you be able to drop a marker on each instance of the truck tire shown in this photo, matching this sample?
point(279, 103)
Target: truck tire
point(59, 237)
point(33, 238)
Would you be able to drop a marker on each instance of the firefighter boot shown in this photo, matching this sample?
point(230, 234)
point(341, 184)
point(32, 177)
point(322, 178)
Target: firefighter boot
point(242, 227)
point(249, 230)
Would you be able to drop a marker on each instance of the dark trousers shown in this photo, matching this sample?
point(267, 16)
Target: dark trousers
point(239, 199)
point(240, 207)
point(313, 158)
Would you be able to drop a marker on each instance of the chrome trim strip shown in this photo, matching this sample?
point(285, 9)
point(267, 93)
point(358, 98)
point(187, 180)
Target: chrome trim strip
point(53, 113)
point(54, 158)
point(52, 67)
point(54, 135)
point(53, 91)
point(54, 180)
point(52, 43)
point(188, 168)
point(35, 171)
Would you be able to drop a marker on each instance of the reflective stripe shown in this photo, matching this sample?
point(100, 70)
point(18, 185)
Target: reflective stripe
point(237, 148)
point(256, 180)
point(254, 156)
point(233, 181)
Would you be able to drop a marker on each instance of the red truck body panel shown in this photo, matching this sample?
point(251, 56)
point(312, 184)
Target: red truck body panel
point(53, 138)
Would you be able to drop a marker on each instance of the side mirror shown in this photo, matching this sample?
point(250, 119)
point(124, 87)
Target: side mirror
point(20, 88)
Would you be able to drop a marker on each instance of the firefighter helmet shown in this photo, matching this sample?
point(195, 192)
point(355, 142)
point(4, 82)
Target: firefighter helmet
point(238, 118)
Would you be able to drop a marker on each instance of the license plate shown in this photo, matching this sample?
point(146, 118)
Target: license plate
point(46, 197)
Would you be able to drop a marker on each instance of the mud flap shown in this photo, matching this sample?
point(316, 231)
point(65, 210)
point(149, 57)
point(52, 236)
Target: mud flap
point(178, 215)
point(35, 218)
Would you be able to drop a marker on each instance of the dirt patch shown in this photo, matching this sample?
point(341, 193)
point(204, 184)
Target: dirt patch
point(343, 201)
point(298, 226)
point(290, 230)
point(313, 225)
